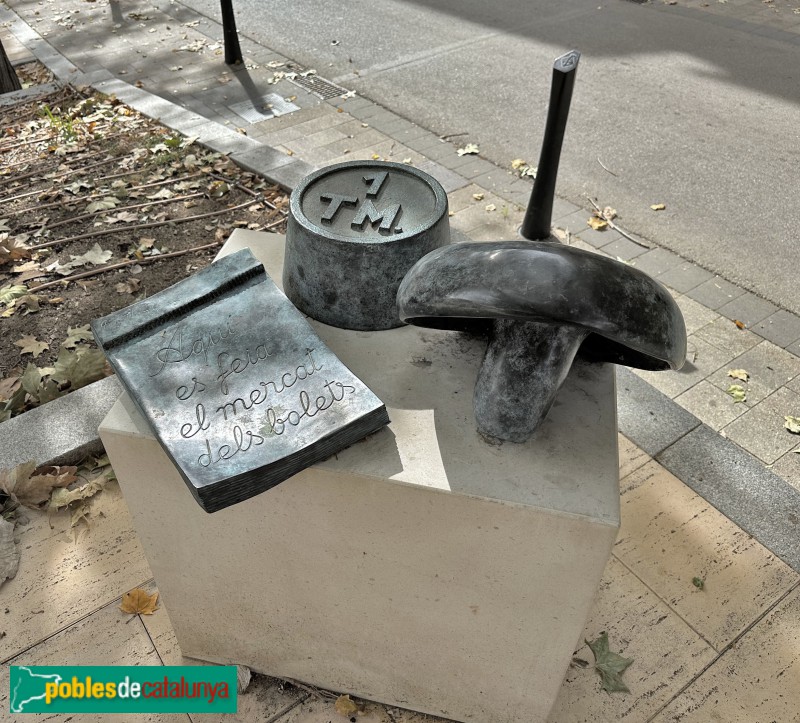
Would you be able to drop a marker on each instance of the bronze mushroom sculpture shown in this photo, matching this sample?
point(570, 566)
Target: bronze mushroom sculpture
point(540, 302)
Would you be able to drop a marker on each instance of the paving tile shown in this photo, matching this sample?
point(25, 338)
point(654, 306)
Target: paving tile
point(787, 467)
point(223, 140)
point(748, 308)
point(623, 248)
point(740, 487)
point(695, 315)
point(646, 416)
point(497, 229)
point(667, 654)
point(61, 579)
point(316, 140)
point(288, 120)
point(495, 180)
point(266, 698)
point(349, 104)
point(711, 405)
point(462, 198)
point(367, 137)
point(724, 334)
point(288, 176)
point(574, 222)
point(684, 277)
point(450, 180)
point(476, 215)
point(444, 153)
point(474, 167)
point(389, 150)
point(794, 348)
point(702, 359)
point(262, 160)
point(561, 207)
point(395, 127)
point(656, 261)
point(630, 456)
point(599, 239)
point(413, 132)
point(758, 679)
point(423, 143)
point(761, 429)
point(670, 535)
point(316, 710)
point(781, 328)
point(769, 366)
point(107, 637)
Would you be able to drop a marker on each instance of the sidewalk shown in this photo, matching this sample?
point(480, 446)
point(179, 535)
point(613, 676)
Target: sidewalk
point(710, 488)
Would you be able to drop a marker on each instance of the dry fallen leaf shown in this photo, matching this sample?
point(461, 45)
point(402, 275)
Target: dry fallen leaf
point(9, 551)
point(468, 150)
point(32, 487)
point(131, 286)
point(738, 392)
point(478, 196)
point(658, 206)
point(597, 223)
point(739, 324)
point(792, 424)
point(609, 214)
point(740, 374)
point(609, 665)
point(138, 602)
point(30, 345)
point(346, 707)
point(491, 207)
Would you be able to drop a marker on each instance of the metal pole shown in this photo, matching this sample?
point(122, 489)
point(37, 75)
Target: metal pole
point(539, 214)
point(233, 53)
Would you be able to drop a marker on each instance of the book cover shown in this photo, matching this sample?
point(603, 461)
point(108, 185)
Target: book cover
point(236, 385)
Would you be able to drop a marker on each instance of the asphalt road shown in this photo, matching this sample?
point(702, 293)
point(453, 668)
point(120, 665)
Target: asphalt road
point(683, 109)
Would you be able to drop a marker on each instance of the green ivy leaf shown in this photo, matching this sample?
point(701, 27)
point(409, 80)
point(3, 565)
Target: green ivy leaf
point(609, 665)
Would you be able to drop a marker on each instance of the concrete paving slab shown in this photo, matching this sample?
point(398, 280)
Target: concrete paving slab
point(668, 653)
point(63, 431)
point(711, 405)
point(684, 277)
point(715, 292)
point(647, 417)
point(740, 487)
point(769, 367)
point(781, 328)
point(761, 429)
point(670, 536)
point(748, 308)
point(754, 680)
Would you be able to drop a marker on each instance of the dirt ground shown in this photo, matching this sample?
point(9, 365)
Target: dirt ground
point(100, 207)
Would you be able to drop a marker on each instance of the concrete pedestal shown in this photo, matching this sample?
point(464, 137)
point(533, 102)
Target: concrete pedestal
point(421, 567)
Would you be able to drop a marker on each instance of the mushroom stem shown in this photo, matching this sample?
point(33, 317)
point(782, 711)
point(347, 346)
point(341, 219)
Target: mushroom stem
point(525, 364)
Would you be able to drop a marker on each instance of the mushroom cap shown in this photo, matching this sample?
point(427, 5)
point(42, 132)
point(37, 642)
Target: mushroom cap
point(632, 319)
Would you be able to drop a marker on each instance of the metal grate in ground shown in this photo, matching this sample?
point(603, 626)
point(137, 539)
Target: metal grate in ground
point(318, 86)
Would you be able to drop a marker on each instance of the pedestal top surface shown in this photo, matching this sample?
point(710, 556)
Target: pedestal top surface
point(426, 379)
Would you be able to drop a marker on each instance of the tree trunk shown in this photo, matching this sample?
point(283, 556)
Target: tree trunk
point(8, 77)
